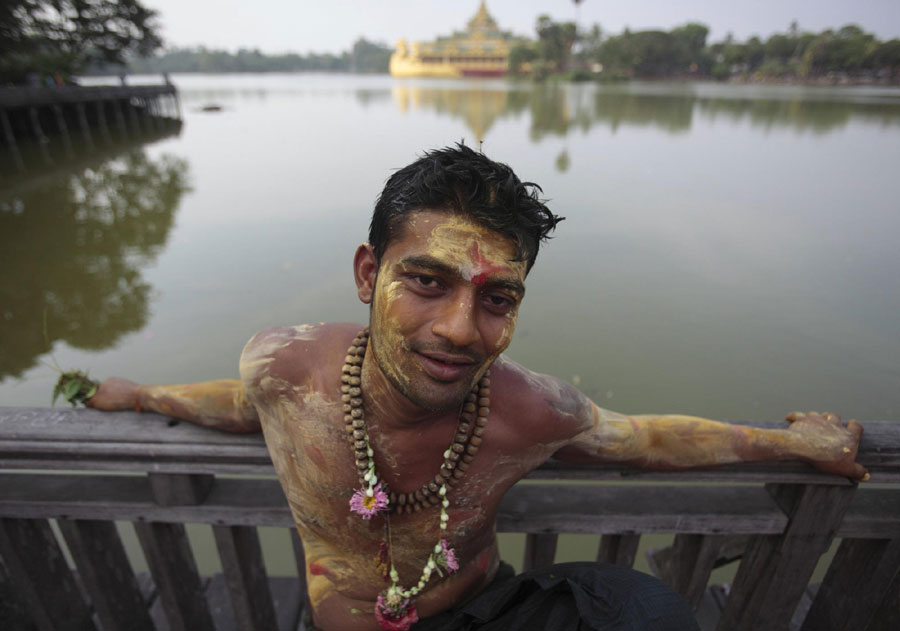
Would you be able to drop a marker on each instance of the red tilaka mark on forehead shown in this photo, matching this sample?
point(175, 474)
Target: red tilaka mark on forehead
point(485, 267)
point(318, 570)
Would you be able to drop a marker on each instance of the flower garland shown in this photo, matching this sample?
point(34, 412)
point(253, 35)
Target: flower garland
point(395, 607)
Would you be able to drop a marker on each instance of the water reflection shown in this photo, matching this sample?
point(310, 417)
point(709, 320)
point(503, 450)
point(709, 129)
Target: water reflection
point(78, 241)
point(557, 109)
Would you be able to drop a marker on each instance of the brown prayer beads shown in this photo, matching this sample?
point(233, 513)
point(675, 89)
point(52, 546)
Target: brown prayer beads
point(461, 452)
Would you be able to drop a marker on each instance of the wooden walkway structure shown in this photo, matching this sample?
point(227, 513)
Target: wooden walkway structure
point(47, 117)
point(69, 475)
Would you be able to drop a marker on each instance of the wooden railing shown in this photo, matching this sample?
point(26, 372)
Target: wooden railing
point(69, 475)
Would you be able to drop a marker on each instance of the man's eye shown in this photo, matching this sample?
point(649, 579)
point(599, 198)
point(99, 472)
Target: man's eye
point(426, 281)
point(499, 302)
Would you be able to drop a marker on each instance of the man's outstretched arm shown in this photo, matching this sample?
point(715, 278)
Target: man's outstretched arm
point(668, 441)
point(220, 404)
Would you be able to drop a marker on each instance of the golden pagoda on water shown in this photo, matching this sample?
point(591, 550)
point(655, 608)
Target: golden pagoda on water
point(482, 50)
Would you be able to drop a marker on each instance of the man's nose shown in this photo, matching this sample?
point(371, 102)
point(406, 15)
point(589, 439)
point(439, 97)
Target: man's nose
point(456, 320)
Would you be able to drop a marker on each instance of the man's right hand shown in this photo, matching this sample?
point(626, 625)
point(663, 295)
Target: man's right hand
point(115, 394)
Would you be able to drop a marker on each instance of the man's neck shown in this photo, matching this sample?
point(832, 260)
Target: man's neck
point(387, 406)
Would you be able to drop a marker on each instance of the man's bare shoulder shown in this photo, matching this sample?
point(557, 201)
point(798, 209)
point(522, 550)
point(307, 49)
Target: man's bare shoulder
point(290, 355)
point(542, 407)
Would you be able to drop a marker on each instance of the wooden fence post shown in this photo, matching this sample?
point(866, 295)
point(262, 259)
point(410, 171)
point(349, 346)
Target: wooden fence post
point(83, 123)
point(540, 550)
point(776, 569)
point(63, 130)
point(169, 555)
point(41, 576)
point(687, 564)
point(10, 138)
point(245, 576)
point(618, 549)
point(106, 574)
point(858, 582)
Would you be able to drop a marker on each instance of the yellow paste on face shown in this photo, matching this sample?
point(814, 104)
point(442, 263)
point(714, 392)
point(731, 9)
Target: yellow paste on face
point(476, 253)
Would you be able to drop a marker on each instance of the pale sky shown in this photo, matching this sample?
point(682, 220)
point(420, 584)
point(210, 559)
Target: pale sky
point(333, 25)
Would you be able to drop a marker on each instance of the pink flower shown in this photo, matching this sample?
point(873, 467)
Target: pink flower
point(399, 617)
point(448, 557)
point(368, 505)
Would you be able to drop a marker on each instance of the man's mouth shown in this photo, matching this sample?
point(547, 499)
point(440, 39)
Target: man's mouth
point(445, 366)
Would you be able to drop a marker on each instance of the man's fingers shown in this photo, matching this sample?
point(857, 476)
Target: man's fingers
point(793, 416)
point(860, 473)
point(831, 417)
point(855, 428)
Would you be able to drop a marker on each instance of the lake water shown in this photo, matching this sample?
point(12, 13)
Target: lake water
point(729, 251)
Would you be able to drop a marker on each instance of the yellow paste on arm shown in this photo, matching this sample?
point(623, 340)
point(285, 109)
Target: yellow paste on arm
point(221, 404)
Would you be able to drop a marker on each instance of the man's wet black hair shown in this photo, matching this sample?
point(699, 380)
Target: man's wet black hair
point(461, 180)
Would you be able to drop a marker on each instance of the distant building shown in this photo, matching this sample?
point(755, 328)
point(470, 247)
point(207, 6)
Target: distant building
point(482, 50)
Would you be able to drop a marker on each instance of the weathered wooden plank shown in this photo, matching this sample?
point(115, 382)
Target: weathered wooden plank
point(245, 576)
point(87, 425)
point(874, 513)
point(42, 577)
point(128, 498)
point(45, 432)
point(106, 574)
point(540, 550)
point(856, 584)
point(618, 549)
point(644, 509)
point(887, 618)
point(173, 489)
point(776, 569)
point(527, 508)
point(178, 584)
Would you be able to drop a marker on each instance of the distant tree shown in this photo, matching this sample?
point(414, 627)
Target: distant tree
point(520, 55)
point(555, 40)
point(367, 56)
point(847, 50)
point(690, 47)
point(65, 36)
point(886, 56)
point(754, 53)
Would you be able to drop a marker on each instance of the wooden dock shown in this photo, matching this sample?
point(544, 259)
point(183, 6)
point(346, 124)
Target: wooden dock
point(69, 475)
point(56, 120)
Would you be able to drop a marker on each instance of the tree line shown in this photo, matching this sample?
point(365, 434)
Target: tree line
point(43, 40)
point(364, 56)
point(683, 52)
point(50, 41)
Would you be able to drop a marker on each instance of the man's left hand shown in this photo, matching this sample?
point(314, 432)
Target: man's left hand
point(832, 446)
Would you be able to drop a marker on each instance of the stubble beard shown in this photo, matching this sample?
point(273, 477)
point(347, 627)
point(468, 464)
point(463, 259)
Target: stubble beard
point(430, 399)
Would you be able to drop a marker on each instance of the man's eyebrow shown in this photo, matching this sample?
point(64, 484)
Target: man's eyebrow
point(436, 265)
point(429, 263)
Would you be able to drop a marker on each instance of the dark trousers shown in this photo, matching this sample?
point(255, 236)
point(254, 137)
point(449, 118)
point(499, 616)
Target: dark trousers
point(569, 597)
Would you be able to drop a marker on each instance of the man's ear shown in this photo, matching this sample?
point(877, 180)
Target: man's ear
point(365, 268)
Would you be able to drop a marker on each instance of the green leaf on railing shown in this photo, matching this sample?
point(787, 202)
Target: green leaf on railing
point(75, 387)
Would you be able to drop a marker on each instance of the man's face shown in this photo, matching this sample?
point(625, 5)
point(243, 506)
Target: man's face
point(444, 306)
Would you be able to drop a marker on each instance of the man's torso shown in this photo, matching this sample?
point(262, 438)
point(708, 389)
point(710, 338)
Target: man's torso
point(292, 375)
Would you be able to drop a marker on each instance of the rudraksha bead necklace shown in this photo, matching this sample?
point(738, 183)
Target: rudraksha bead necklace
point(457, 458)
point(395, 607)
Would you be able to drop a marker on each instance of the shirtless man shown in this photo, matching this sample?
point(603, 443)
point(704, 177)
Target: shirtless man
point(452, 239)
